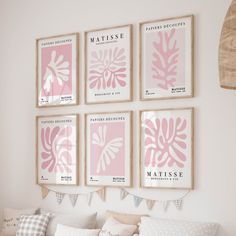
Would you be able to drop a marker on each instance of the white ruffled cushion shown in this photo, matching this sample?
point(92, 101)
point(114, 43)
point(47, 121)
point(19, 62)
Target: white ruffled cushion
point(63, 230)
point(160, 227)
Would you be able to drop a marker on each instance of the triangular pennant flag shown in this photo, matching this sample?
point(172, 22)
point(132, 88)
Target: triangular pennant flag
point(73, 199)
point(178, 203)
point(101, 193)
point(60, 197)
point(44, 191)
point(150, 204)
point(165, 205)
point(123, 194)
point(89, 198)
point(137, 201)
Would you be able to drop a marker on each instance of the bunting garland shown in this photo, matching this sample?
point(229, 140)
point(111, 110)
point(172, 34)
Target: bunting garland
point(73, 197)
point(101, 193)
point(178, 203)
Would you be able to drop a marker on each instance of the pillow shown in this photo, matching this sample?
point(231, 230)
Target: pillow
point(161, 227)
point(113, 227)
point(130, 219)
point(77, 221)
point(11, 219)
point(63, 230)
point(33, 225)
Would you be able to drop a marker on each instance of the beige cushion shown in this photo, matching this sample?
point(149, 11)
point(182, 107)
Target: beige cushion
point(114, 227)
point(130, 219)
point(11, 218)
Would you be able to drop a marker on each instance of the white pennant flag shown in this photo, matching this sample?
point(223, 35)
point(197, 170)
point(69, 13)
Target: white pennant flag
point(137, 201)
point(178, 203)
point(150, 204)
point(123, 194)
point(165, 205)
point(60, 197)
point(73, 199)
point(89, 198)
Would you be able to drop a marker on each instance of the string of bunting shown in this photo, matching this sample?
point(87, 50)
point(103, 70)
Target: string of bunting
point(150, 203)
point(73, 197)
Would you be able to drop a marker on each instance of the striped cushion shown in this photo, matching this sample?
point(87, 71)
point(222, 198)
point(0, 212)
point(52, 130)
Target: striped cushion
point(33, 225)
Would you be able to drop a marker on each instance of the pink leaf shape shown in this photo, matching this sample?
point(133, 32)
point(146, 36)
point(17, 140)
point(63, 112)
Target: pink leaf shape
point(165, 59)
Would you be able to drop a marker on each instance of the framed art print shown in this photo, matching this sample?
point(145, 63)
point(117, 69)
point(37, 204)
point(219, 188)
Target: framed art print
point(166, 148)
point(108, 58)
point(108, 149)
point(57, 143)
point(166, 65)
point(57, 70)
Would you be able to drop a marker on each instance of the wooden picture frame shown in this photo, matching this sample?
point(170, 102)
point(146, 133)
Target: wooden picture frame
point(108, 146)
point(108, 65)
point(57, 70)
point(167, 58)
point(57, 150)
point(167, 148)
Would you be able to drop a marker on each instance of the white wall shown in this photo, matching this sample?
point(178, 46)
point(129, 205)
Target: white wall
point(21, 22)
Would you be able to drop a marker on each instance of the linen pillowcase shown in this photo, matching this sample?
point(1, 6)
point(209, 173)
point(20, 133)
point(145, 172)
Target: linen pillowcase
point(82, 221)
point(33, 225)
point(113, 227)
point(63, 230)
point(161, 227)
point(130, 219)
point(11, 218)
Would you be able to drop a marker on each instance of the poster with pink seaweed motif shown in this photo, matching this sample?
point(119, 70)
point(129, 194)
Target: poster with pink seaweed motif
point(57, 70)
point(167, 148)
point(167, 58)
point(108, 64)
point(108, 149)
point(57, 150)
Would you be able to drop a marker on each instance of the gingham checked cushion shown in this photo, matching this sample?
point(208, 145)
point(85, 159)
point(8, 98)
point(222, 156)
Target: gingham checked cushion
point(33, 225)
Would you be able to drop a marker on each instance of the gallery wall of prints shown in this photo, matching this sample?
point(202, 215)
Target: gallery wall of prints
point(165, 136)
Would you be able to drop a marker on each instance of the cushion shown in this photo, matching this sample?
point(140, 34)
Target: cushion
point(63, 230)
point(81, 221)
point(33, 225)
point(112, 227)
point(161, 227)
point(11, 219)
point(130, 219)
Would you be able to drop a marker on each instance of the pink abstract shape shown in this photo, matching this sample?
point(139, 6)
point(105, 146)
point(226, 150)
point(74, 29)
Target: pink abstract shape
point(165, 142)
point(57, 148)
point(165, 59)
point(108, 69)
